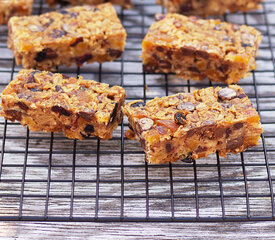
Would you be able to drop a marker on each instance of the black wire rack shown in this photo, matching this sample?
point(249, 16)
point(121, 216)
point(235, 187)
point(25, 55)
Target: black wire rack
point(46, 177)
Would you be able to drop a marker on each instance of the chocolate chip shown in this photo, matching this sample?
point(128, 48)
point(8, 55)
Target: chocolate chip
point(188, 158)
point(116, 53)
point(87, 116)
point(23, 106)
point(58, 89)
point(180, 118)
point(148, 68)
point(138, 104)
point(114, 113)
point(227, 94)
point(145, 124)
point(61, 110)
point(169, 54)
point(234, 143)
point(168, 147)
point(242, 96)
point(159, 49)
point(14, 115)
point(238, 125)
point(82, 59)
point(246, 45)
point(46, 53)
point(164, 64)
point(77, 40)
point(186, 106)
point(159, 16)
point(89, 128)
point(56, 33)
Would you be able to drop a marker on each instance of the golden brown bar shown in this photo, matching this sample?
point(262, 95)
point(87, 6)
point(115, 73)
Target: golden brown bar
point(10, 8)
point(206, 8)
point(69, 36)
point(56, 102)
point(124, 3)
point(195, 48)
point(188, 126)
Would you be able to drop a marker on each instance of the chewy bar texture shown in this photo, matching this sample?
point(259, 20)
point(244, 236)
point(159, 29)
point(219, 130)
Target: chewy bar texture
point(56, 102)
point(9, 8)
point(195, 48)
point(188, 126)
point(70, 36)
point(209, 7)
point(124, 3)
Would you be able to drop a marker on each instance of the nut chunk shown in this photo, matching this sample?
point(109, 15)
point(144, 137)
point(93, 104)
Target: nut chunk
point(9, 8)
point(208, 7)
point(195, 48)
point(123, 3)
point(69, 36)
point(188, 126)
point(56, 102)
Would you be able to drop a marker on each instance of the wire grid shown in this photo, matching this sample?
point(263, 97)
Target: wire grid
point(46, 177)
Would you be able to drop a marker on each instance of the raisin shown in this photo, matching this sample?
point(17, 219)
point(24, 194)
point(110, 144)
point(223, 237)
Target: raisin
point(168, 147)
point(87, 116)
point(14, 115)
point(242, 96)
point(234, 143)
point(65, 76)
point(23, 106)
point(77, 40)
point(159, 16)
point(89, 128)
point(61, 110)
point(138, 104)
point(238, 125)
point(36, 89)
point(46, 53)
point(113, 114)
point(227, 94)
point(82, 59)
point(188, 158)
point(188, 51)
point(58, 33)
point(58, 89)
point(228, 132)
point(31, 78)
point(164, 64)
point(180, 118)
point(148, 68)
point(246, 45)
point(224, 67)
point(194, 69)
point(116, 53)
point(159, 49)
point(202, 54)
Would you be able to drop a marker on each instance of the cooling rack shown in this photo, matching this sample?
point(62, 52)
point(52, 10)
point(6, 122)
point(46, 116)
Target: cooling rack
point(46, 177)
